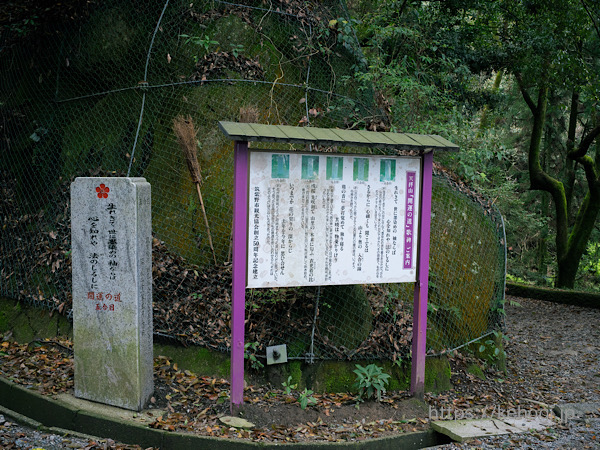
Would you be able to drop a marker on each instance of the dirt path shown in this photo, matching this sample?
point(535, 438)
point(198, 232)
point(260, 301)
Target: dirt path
point(553, 357)
point(556, 349)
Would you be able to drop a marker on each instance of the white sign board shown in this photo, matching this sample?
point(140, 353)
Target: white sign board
point(323, 219)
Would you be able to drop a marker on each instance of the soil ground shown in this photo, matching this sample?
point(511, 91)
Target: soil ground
point(553, 357)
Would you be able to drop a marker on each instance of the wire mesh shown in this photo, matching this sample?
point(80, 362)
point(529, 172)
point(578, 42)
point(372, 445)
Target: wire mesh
point(94, 89)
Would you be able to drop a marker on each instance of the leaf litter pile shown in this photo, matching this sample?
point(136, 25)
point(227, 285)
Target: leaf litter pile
point(195, 404)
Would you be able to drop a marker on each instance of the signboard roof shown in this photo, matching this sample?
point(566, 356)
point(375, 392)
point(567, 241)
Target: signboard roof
point(333, 136)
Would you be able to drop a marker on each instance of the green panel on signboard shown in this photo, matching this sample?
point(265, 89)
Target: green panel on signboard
point(324, 135)
point(377, 139)
point(335, 168)
point(280, 166)
point(361, 169)
point(445, 142)
point(401, 139)
point(310, 167)
point(268, 132)
point(295, 134)
point(425, 140)
point(351, 137)
point(387, 170)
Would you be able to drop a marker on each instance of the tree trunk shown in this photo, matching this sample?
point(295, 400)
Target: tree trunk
point(569, 163)
point(568, 263)
point(540, 180)
point(483, 124)
point(584, 225)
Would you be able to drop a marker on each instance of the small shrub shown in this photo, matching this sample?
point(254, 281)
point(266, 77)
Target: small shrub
point(370, 380)
point(305, 398)
point(288, 386)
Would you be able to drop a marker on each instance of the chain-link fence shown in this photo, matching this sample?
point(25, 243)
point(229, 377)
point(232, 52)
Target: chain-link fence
point(94, 89)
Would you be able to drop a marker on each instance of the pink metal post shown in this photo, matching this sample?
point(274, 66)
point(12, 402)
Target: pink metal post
point(417, 383)
point(238, 306)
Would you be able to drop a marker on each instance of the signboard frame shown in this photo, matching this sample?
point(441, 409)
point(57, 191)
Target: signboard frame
point(241, 134)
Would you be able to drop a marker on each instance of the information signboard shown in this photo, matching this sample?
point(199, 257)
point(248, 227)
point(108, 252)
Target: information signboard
point(324, 219)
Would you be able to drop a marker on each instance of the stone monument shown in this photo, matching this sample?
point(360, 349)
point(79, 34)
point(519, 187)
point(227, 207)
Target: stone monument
point(111, 234)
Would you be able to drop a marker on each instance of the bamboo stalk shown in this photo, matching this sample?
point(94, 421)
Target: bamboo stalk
point(186, 137)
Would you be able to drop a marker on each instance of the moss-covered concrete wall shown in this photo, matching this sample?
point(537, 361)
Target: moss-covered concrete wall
point(26, 324)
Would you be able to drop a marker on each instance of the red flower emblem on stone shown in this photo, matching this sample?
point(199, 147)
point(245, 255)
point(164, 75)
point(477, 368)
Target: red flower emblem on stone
point(102, 191)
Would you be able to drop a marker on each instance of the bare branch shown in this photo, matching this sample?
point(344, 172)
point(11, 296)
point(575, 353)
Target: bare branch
point(526, 95)
point(586, 142)
point(587, 10)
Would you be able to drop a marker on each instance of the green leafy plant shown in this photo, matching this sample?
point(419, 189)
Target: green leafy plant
point(398, 362)
point(288, 386)
point(237, 49)
point(493, 345)
point(26, 26)
point(370, 380)
point(500, 307)
point(204, 42)
point(306, 399)
point(250, 349)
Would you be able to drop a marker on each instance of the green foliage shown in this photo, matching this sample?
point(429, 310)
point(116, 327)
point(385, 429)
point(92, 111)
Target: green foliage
point(370, 381)
point(203, 41)
point(415, 65)
point(463, 69)
point(305, 398)
point(250, 349)
point(289, 386)
point(237, 49)
point(500, 308)
point(25, 26)
point(492, 350)
point(591, 266)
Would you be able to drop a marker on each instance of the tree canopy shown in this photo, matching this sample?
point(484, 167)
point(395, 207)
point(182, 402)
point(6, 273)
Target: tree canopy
point(533, 66)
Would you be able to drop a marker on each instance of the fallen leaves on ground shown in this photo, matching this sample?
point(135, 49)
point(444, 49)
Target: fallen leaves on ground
point(546, 345)
point(194, 404)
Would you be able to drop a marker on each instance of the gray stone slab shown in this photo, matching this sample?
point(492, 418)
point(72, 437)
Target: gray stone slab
point(568, 411)
point(111, 236)
point(530, 423)
point(463, 430)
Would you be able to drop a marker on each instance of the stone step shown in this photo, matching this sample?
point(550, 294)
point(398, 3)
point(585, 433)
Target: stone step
point(463, 430)
point(577, 411)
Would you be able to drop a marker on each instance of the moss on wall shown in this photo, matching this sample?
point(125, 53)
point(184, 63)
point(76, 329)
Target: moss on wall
point(463, 269)
point(437, 374)
point(567, 297)
point(352, 327)
point(475, 370)
point(199, 360)
point(109, 145)
point(27, 323)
